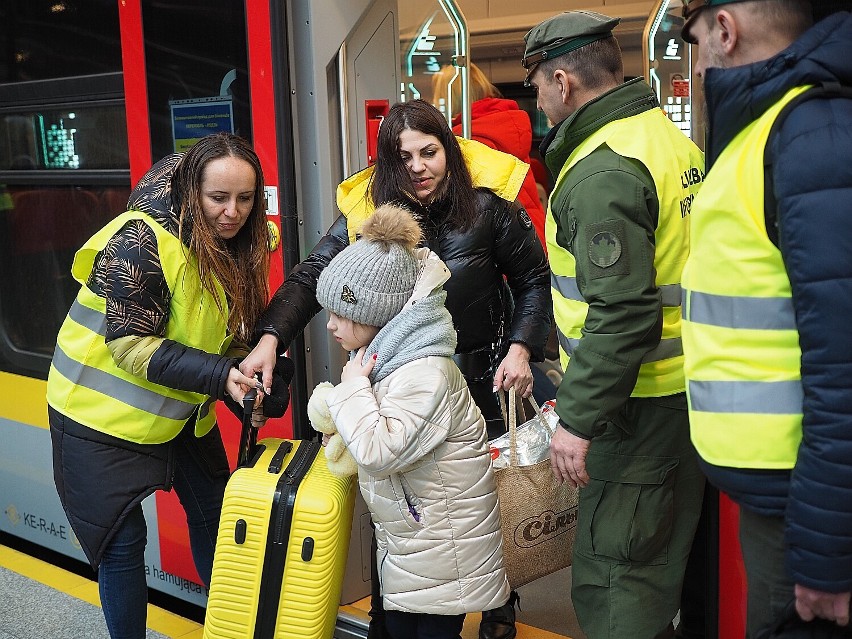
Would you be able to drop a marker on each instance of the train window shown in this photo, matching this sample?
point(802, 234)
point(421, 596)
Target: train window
point(64, 172)
point(81, 137)
point(41, 227)
point(194, 51)
point(33, 31)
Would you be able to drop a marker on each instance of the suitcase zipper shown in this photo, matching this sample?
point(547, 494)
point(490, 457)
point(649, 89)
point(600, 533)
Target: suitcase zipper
point(292, 476)
point(277, 542)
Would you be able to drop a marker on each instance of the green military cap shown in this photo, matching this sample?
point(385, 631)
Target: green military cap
point(691, 9)
point(564, 33)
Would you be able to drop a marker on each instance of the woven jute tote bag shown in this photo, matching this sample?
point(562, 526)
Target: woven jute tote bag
point(538, 516)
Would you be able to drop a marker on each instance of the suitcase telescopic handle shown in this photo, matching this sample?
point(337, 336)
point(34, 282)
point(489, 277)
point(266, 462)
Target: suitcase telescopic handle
point(248, 435)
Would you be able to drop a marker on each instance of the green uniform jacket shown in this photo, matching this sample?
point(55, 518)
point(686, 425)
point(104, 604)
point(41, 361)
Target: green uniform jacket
point(624, 320)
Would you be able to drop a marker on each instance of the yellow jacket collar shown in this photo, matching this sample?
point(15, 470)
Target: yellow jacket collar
point(500, 172)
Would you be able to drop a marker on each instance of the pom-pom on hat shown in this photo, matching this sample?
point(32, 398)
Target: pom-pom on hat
point(370, 281)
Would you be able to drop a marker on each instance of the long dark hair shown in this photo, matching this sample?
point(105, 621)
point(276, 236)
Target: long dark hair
point(241, 264)
point(391, 182)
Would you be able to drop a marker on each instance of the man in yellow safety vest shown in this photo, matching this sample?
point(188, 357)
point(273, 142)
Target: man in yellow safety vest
point(768, 296)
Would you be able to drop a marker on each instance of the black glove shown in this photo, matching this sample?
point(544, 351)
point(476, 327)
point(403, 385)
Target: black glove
point(275, 405)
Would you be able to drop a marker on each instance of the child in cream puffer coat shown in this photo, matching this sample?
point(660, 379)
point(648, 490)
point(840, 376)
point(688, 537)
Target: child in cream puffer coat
point(404, 413)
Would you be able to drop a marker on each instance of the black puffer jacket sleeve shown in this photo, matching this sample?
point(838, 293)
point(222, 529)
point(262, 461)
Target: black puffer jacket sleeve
point(521, 258)
point(295, 301)
point(128, 274)
point(183, 367)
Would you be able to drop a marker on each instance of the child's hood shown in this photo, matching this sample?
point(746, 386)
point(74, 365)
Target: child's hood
point(433, 274)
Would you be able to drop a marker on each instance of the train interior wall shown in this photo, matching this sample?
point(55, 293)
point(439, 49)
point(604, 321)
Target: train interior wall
point(497, 29)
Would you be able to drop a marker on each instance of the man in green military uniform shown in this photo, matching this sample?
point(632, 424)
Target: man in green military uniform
point(617, 238)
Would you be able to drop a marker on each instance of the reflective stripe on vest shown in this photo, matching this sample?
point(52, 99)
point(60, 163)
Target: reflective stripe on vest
point(127, 393)
point(84, 382)
point(661, 372)
point(671, 296)
point(755, 313)
point(743, 360)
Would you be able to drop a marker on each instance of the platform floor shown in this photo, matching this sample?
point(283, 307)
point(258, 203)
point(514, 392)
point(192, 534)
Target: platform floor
point(41, 601)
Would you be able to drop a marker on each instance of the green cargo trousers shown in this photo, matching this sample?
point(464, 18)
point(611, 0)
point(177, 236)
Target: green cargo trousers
point(637, 518)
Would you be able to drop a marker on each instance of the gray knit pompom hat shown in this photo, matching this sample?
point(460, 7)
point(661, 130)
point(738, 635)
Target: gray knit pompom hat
point(371, 280)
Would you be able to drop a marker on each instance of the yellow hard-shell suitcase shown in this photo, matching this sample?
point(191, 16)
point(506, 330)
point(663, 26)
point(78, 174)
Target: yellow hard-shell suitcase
point(282, 546)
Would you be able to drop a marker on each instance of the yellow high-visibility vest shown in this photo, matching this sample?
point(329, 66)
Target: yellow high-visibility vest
point(84, 382)
point(500, 172)
point(743, 360)
point(661, 371)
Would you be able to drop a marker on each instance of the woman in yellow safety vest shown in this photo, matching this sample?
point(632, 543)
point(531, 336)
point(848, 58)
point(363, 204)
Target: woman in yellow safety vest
point(169, 291)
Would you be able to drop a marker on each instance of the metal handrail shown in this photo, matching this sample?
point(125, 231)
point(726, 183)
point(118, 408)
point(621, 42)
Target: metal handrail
point(343, 89)
point(459, 24)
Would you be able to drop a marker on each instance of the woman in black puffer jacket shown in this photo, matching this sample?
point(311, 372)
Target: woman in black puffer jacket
point(463, 194)
point(499, 292)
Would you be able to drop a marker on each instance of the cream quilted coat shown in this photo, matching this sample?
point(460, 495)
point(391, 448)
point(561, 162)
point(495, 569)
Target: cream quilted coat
point(426, 475)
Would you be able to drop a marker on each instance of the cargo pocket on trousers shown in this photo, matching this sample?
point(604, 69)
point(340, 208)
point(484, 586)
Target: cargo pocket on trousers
point(629, 506)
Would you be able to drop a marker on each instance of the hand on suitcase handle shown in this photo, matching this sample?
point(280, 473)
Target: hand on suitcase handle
point(249, 400)
point(238, 385)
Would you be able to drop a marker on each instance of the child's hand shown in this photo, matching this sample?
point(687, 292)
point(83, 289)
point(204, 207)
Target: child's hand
point(356, 367)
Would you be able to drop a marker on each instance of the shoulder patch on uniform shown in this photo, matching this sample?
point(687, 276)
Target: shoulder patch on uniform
point(604, 249)
point(524, 217)
point(607, 248)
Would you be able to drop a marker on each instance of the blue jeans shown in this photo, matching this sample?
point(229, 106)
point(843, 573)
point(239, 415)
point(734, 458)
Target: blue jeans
point(121, 576)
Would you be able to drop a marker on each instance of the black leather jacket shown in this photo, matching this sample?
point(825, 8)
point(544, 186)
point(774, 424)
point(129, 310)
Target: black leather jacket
point(500, 279)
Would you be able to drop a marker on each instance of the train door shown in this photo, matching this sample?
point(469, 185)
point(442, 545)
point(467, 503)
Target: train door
point(342, 74)
point(343, 77)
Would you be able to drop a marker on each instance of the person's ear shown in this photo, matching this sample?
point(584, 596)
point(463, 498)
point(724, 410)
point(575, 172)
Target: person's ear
point(561, 77)
point(726, 25)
